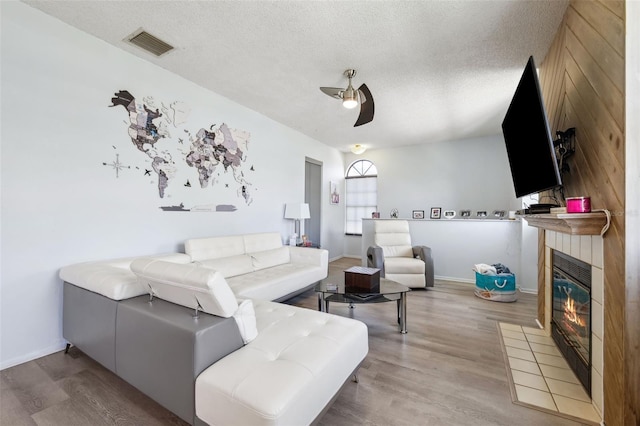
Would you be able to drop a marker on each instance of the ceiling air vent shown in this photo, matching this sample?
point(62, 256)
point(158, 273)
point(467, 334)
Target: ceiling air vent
point(149, 43)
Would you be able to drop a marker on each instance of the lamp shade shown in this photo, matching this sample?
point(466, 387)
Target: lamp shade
point(297, 211)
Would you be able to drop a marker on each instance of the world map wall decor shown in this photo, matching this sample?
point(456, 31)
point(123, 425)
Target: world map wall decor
point(192, 168)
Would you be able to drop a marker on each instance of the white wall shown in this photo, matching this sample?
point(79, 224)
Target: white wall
point(458, 244)
point(455, 175)
point(61, 205)
point(467, 174)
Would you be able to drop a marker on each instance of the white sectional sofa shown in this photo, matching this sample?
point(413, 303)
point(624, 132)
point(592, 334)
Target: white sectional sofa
point(259, 266)
point(178, 329)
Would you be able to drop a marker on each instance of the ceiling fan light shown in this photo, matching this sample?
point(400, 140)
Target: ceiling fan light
point(350, 97)
point(358, 149)
point(349, 103)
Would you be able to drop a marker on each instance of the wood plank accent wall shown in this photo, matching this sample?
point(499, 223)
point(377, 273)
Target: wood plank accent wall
point(632, 218)
point(583, 83)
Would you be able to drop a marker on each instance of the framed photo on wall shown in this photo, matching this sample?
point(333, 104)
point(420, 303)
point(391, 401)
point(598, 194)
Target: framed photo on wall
point(435, 212)
point(334, 195)
point(418, 214)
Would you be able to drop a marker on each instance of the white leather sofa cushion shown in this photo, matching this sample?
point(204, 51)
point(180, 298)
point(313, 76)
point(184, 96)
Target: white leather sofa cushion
point(187, 285)
point(409, 280)
point(275, 271)
point(288, 374)
point(394, 238)
point(260, 242)
point(112, 278)
point(214, 247)
point(229, 266)
point(272, 283)
point(403, 265)
point(218, 247)
point(269, 258)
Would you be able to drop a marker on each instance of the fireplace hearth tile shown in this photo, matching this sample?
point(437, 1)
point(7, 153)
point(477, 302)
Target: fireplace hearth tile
point(516, 343)
point(534, 331)
point(520, 353)
point(535, 397)
point(545, 387)
point(513, 327)
point(544, 349)
point(558, 373)
point(570, 390)
point(553, 360)
point(576, 408)
point(514, 334)
point(545, 340)
point(526, 366)
point(529, 380)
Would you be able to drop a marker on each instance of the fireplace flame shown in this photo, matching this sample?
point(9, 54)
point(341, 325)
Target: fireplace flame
point(571, 313)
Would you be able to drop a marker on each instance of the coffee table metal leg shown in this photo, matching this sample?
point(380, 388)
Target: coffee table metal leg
point(403, 313)
point(322, 304)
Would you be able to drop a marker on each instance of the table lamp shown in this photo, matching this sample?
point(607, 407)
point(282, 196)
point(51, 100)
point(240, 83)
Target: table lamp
point(296, 211)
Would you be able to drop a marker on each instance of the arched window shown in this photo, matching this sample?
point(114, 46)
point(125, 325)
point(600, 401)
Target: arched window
point(361, 194)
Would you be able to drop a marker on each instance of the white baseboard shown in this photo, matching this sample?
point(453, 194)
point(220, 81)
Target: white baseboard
point(458, 280)
point(472, 281)
point(34, 355)
point(346, 255)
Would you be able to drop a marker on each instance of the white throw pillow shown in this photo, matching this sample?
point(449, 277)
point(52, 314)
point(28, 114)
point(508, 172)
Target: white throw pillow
point(245, 317)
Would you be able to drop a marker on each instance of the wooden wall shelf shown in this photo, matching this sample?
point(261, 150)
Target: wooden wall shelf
point(569, 223)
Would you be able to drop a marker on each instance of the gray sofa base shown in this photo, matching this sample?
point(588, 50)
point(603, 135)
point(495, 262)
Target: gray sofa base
point(89, 322)
point(158, 347)
point(295, 293)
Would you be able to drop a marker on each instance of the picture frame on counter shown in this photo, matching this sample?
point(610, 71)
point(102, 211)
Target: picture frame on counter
point(418, 214)
point(435, 212)
point(449, 214)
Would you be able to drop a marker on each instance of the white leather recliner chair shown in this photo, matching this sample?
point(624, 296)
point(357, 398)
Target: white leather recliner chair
point(396, 258)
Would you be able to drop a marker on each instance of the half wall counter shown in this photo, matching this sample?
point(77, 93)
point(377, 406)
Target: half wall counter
point(458, 244)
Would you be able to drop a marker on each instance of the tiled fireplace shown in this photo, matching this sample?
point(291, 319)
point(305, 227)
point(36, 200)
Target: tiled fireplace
point(588, 249)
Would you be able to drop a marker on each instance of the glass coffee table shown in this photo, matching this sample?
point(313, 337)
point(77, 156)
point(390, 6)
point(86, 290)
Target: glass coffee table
point(389, 291)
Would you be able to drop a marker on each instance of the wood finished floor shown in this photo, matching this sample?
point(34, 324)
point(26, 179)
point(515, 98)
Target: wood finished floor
point(448, 370)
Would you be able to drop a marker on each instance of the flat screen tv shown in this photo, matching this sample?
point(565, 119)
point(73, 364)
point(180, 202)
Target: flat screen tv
point(527, 136)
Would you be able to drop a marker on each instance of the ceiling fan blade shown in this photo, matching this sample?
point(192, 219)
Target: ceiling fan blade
point(366, 106)
point(334, 92)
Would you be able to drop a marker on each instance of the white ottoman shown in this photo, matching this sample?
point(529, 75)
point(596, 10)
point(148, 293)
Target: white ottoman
point(288, 374)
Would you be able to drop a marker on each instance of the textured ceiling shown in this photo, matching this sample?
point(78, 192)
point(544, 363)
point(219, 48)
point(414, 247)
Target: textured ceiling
point(438, 70)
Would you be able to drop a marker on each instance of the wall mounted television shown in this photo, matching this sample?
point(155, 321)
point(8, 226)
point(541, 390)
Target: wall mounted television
point(532, 156)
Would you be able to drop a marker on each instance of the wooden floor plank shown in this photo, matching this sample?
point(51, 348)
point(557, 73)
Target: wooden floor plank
point(447, 370)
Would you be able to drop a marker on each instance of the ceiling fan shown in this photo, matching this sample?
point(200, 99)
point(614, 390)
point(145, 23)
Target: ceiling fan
point(350, 98)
